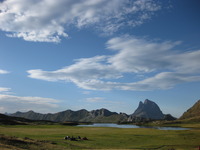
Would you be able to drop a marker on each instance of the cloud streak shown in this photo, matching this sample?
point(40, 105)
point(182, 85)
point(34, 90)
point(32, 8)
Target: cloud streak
point(49, 21)
point(10, 103)
point(4, 71)
point(100, 100)
point(161, 64)
point(4, 89)
point(95, 99)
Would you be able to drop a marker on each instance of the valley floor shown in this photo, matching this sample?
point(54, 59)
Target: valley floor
point(51, 137)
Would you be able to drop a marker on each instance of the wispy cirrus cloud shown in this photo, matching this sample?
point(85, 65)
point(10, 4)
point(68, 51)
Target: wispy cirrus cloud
point(10, 103)
point(161, 64)
point(49, 21)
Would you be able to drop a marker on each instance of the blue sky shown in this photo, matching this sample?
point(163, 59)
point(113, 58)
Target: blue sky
point(92, 54)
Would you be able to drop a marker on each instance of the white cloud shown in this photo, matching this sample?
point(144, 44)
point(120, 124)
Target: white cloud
point(4, 89)
point(141, 56)
point(10, 103)
point(138, 55)
point(84, 70)
point(49, 20)
point(160, 62)
point(102, 101)
point(163, 80)
point(94, 99)
point(3, 71)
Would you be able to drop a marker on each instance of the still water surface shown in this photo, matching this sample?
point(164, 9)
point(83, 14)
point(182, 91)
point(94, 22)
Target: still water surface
point(131, 126)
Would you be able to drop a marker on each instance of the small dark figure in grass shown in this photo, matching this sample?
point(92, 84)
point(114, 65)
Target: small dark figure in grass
point(84, 138)
point(73, 139)
point(67, 138)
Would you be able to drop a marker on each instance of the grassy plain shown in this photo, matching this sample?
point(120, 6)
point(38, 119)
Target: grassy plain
point(105, 138)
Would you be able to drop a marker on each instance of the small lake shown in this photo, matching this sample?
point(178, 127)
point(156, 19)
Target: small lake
point(112, 125)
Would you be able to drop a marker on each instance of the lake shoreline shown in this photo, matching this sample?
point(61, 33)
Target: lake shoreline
point(114, 125)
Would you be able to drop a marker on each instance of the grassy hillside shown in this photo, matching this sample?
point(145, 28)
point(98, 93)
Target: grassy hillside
point(193, 113)
point(105, 138)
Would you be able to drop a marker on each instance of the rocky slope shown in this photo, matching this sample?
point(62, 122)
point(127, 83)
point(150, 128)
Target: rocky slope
point(193, 112)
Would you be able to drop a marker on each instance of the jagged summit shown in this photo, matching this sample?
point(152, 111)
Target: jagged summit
point(149, 110)
point(102, 112)
point(147, 101)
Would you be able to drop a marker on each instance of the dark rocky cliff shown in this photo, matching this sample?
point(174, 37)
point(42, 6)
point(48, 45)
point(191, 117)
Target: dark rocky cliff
point(147, 110)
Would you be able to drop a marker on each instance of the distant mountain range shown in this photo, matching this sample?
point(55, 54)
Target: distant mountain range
point(148, 110)
point(100, 115)
point(10, 120)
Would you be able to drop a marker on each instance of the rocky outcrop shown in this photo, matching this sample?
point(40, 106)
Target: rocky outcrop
point(147, 110)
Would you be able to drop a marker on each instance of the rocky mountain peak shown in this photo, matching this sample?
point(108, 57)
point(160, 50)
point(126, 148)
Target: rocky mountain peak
point(102, 112)
point(149, 110)
point(147, 101)
point(31, 111)
point(140, 104)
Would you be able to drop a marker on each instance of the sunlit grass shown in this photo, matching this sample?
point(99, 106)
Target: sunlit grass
point(106, 138)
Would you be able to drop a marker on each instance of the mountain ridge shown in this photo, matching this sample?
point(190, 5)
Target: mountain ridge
point(99, 115)
point(146, 111)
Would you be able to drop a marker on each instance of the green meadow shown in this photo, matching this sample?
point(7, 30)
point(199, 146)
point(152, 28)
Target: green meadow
point(106, 138)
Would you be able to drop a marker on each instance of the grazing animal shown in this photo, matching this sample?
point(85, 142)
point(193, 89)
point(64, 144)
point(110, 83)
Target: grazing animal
point(73, 139)
point(67, 138)
point(84, 138)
